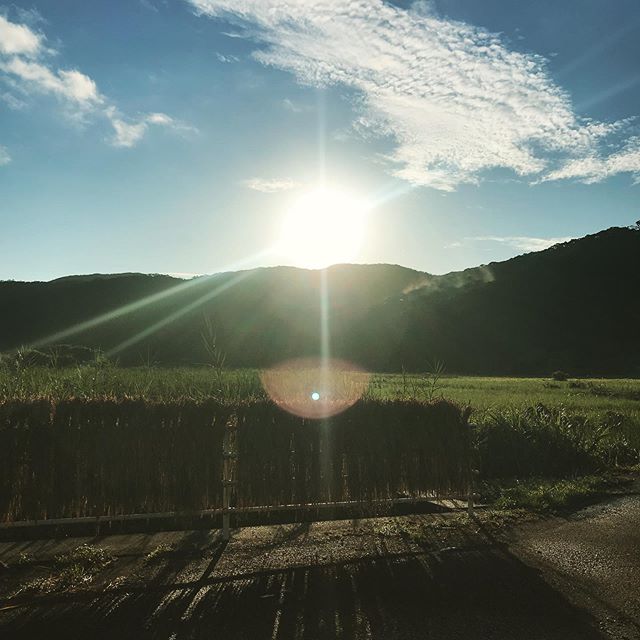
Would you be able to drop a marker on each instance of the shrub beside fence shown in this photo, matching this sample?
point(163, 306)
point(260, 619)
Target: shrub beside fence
point(552, 442)
point(102, 457)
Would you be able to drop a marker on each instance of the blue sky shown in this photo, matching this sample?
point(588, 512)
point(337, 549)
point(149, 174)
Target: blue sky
point(173, 135)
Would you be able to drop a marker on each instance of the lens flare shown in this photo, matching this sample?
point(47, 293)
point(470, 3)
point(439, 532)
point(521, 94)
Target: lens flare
point(314, 387)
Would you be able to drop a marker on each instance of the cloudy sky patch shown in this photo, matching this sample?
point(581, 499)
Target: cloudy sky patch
point(455, 97)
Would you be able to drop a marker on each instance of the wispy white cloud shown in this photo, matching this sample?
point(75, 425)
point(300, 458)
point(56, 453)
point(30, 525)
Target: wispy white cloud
point(18, 39)
point(294, 107)
point(147, 4)
point(270, 185)
point(456, 98)
point(228, 59)
point(596, 168)
point(520, 243)
point(31, 17)
point(27, 66)
point(234, 34)
point(5, 158)
point(128, 132)
point(68, 84)
point(12, 101)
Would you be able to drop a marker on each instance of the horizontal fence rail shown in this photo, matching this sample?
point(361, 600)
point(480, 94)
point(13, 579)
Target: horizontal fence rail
point(89, 458)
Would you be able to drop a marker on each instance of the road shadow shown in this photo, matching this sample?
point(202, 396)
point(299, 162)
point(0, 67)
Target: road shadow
point(477, 589)
point(471, 592)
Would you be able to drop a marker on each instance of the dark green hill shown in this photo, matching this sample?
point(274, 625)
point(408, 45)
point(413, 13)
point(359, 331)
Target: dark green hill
point(259, 316)
point(575, 306)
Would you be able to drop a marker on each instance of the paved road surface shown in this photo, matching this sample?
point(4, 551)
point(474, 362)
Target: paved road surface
point(388, 579)
point(594, 559)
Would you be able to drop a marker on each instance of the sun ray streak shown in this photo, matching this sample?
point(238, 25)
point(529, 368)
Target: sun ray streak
point(608, 93)
point(322, 138)
point(325, 374)
point(156, 326)
point(114, 314)
point(137, 305)
point(325, 348)
point(598, 48)
point(383, 196)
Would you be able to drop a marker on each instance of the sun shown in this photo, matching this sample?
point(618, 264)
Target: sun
point(323, 227)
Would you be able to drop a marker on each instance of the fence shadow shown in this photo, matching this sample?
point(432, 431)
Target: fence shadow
point(471, 592)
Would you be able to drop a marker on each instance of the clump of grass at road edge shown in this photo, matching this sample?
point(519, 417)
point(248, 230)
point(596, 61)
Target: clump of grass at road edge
point(69, 571)
point(161, 551)
point(451, 529)
point(548, 496)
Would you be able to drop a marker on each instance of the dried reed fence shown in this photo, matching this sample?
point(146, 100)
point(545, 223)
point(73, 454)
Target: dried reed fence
point(101, 457)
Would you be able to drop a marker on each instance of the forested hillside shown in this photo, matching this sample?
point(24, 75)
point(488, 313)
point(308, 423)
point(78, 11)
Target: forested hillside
point(575, 306)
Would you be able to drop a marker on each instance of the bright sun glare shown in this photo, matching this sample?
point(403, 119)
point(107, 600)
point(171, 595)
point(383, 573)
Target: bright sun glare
point(324, 227)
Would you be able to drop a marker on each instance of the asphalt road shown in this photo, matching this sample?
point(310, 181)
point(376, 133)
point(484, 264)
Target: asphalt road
point(593, 558)
point(431, 576)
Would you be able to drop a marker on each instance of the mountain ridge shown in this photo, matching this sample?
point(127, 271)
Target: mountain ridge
point(572, 306)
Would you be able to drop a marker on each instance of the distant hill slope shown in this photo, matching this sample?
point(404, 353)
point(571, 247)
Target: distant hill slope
point(259, 316)
point(575, 306)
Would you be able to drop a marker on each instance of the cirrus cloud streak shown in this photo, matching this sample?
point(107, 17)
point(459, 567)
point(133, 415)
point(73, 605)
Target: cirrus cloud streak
point(520, 243)
point(456, 99)
point(270, 185)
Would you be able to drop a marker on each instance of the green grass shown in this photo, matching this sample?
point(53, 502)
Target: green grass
point(544, 495)
point(148, 383)
point(159, 552)
point(482, 393)
point(72, 570)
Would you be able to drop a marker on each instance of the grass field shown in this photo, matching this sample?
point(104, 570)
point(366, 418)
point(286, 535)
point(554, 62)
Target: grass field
point(592, 397)
point(588, 396)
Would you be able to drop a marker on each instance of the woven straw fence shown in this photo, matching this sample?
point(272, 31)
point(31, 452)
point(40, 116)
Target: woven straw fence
point(103, 457)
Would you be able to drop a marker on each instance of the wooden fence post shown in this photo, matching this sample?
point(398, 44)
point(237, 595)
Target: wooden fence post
point(229, 457)
point(470, 495)
point(472, 471)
